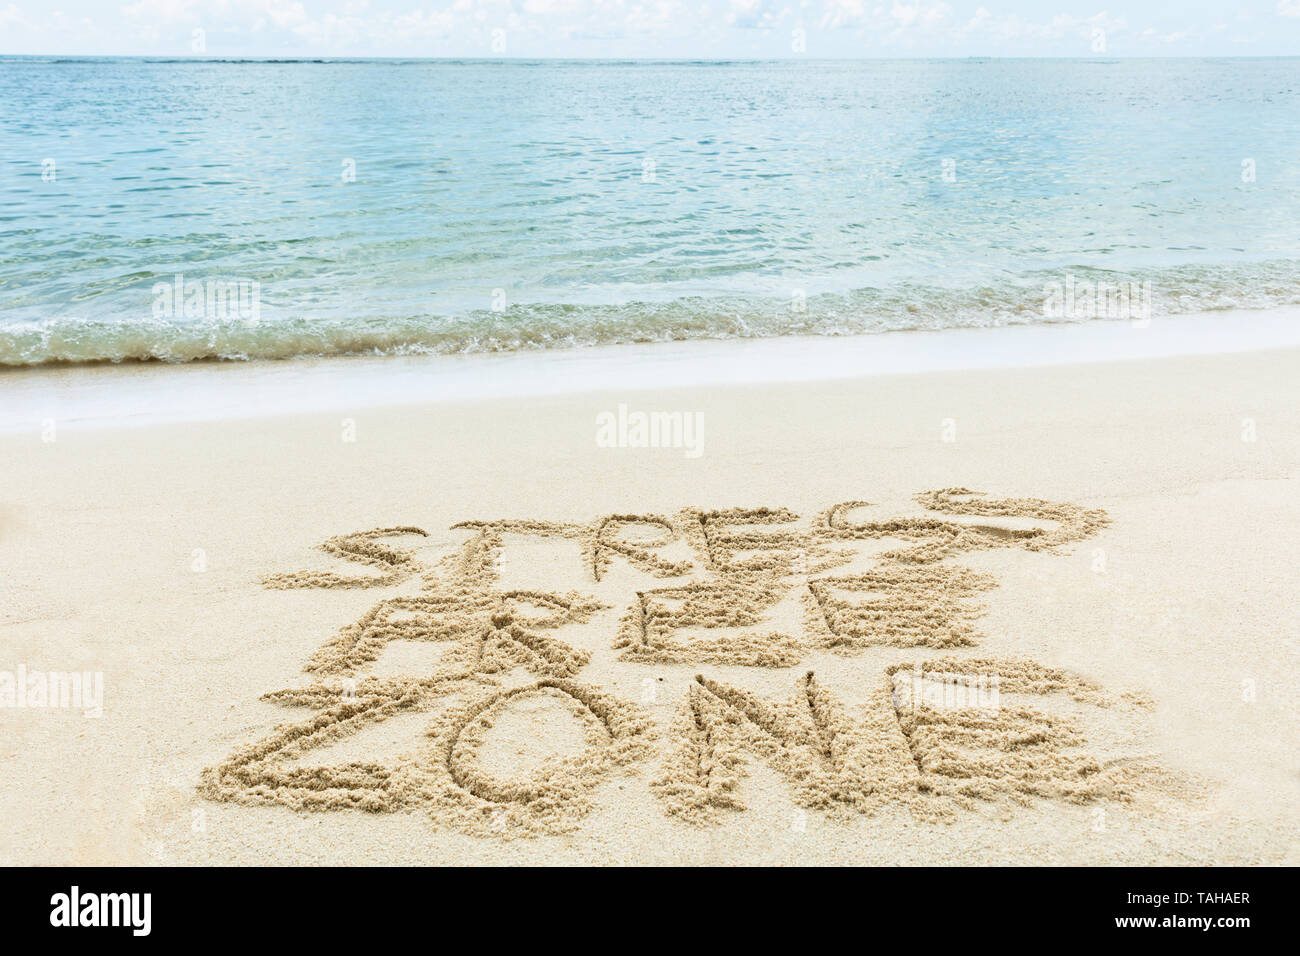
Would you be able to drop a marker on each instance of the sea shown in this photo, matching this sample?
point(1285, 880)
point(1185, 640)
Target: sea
point(181, 210)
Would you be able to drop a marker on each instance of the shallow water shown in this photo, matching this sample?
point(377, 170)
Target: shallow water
point(504, 205)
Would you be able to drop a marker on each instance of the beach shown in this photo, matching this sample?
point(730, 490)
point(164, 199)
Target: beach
point(1126, 574)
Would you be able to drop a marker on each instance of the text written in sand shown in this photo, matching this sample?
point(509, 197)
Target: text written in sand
point(736, 587)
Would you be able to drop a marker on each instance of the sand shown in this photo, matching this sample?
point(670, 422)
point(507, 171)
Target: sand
point(1026, 615)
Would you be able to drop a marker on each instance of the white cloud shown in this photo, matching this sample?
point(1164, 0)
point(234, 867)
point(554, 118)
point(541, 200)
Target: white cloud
point(1013, 28)
point(902, 20)
point(842, 13)
point(655, 17)
point(11, 18)
point(924, 15)
point(164, 11)
point(625, 27)
point(566, 7)
point(756, 14)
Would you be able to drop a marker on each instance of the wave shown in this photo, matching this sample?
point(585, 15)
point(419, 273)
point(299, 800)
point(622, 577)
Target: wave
point(1015, 300)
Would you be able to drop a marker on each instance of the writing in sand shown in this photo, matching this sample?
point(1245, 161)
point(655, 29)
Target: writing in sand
point(731, 588)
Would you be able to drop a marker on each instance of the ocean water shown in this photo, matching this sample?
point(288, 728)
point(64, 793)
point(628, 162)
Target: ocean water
point(363, 207)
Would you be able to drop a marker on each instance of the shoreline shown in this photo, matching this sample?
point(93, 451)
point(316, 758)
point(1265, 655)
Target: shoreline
point(103, 396)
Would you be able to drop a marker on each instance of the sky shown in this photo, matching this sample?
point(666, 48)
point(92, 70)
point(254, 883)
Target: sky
point(694, 29)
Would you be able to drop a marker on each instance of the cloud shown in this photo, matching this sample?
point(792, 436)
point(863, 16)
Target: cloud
point(1013, 28)
point(12, 18)
point(561, 7)
point(842, 13)
point(922, 15)
point(756, 14)
point(901, 20)
point(613, 27)
point(163, 11)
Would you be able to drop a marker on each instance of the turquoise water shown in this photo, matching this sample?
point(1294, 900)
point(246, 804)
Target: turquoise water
point(505, 205)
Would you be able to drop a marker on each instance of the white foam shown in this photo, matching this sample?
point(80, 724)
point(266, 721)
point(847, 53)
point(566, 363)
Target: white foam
point(112, 396)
